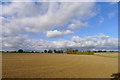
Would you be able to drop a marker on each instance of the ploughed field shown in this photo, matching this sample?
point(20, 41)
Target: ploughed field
point(43, 65)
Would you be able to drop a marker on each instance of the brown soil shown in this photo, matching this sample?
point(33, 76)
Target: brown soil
point(36, 65)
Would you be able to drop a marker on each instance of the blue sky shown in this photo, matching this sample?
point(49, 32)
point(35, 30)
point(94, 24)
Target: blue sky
point(39, 26)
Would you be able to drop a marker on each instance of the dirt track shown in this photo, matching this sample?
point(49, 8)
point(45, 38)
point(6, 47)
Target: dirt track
point(57, 66)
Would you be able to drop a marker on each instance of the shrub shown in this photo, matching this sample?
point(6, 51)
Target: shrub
point(20, 51)
point(71, 51)
point(45, 51)
point(50, 51)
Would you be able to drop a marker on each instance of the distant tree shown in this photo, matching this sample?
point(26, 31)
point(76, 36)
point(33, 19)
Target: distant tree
point(2, 51)
point(55, 51)
point(69, 51)
point(50, 51)
point(32, 51)
point(45, 51)
point(61, 51)
point(58, 51)
point(20, 51)
point(95, 51)
point(76, 50)
point(100, 51)
point(104, 51)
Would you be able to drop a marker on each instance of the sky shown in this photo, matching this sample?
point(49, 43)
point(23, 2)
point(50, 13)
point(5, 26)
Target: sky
point(59, 25)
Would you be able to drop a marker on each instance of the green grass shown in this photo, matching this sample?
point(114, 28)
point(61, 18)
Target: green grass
point(109, 56)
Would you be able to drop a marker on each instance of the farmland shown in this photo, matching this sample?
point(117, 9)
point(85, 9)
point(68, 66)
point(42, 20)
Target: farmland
point(44, 65)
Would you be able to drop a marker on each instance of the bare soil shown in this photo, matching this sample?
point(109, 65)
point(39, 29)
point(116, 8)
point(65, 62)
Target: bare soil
point(36, 65)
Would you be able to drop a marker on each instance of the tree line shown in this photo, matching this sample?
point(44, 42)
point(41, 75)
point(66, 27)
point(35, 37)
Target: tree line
point(68, 51)
point(45, 51)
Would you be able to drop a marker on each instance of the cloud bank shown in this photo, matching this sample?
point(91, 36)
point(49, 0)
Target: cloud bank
point(97, 42)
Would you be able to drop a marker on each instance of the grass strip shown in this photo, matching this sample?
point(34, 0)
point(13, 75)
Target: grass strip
point(109, 56)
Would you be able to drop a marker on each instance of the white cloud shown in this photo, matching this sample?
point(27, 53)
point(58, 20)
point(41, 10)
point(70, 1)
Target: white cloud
point(56, 33)
point(32, 18)
point(99, 42)
point(68, 32)
point(104, 36)
point(77, 24)
point(76, 38)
